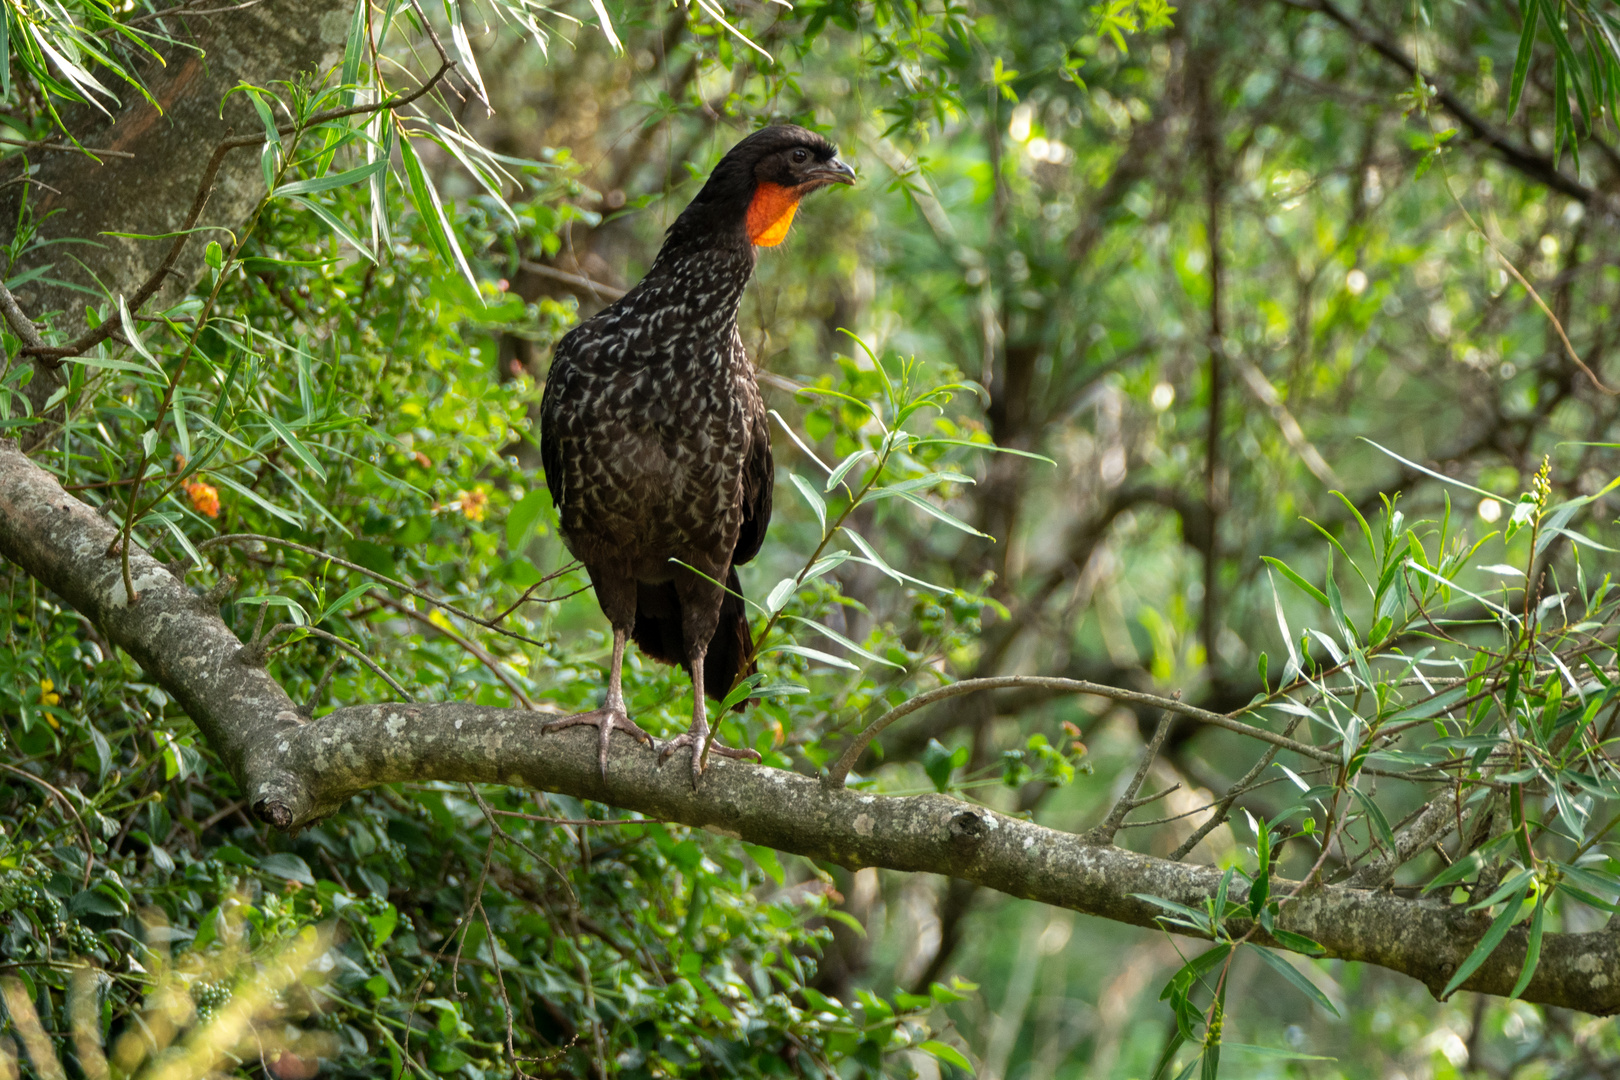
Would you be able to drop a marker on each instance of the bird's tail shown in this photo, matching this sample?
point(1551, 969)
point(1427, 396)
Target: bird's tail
point(658, 634)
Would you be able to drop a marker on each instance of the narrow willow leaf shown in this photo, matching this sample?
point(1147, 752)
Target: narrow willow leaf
point(380, 148)
point(814, 654)
point(607, 26)
point(813, 497)
point(948, 518)
point(426, 199)
point(336, 225)
point(846, 642)
point(1529, 11)
point(1304, 586)
point(258, 500)
point(1487, 944)
point(1532, 952)
point(469, 62)
point(354, 51)
point(295, 444)
point(844, 466)
point(330, 181)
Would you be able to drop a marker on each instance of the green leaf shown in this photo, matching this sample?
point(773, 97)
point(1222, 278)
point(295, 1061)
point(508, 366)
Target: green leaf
point(469, 62)
point(1297, 942)
point(1276, 1053)
point(286, 865)
point(426, 200)
point(845, 642)
point(813, 497)
point(767, 861)
point(522, 519)
point(844, 466)
point(813, 654)
point(1528, 12)
point(295, 444)
point(938, 763)
point(354, 51)
point(948, 1054)
point(1306, 587)
point(329, 181)
point(1532, 954)
point(128, 320)
point(1487, 944)
point(1295, 978)
point(260, 501)
point(934, 511)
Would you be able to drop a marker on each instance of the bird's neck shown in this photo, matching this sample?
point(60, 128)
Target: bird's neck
point(706, 282)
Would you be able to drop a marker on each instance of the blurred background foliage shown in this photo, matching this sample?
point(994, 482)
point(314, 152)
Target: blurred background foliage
point(1202, 260)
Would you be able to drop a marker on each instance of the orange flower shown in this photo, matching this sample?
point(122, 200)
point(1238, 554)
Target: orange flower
point(474, 504)
point(204, 497)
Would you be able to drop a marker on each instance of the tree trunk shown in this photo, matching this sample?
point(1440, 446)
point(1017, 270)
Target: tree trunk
point(75, 201)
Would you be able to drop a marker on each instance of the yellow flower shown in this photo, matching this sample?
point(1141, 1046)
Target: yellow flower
point(474, 504)
point(48, 694)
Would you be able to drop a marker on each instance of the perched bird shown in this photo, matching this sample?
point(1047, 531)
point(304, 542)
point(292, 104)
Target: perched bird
point(655, 442)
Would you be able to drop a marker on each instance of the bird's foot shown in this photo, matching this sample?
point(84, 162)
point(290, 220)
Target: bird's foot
point(605, 720)
point(695, 740)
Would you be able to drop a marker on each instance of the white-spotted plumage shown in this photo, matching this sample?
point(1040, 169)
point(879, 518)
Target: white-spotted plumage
point(656, 444)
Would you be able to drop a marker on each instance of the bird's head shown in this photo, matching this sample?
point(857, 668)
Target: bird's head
point(758, 184)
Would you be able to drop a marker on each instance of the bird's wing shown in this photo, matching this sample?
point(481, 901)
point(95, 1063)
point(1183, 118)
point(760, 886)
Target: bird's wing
point(759, 477)
point(552, 457)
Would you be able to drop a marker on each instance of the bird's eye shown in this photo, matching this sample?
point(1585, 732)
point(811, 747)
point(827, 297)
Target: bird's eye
point(800, 157)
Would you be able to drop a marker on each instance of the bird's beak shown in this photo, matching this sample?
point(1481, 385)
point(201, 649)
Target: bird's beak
point(833, 172)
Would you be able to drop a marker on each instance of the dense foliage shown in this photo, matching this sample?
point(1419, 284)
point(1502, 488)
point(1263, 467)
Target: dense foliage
point(1069, 386)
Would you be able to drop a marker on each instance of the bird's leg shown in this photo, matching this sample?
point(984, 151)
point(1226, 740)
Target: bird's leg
point(697, 736)
point(611, 715)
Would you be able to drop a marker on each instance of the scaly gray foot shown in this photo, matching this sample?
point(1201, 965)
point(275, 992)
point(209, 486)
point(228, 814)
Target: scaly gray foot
point(696, 741)
point(605, 719)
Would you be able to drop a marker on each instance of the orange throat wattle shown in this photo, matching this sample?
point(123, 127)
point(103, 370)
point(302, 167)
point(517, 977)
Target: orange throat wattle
point(770, 214)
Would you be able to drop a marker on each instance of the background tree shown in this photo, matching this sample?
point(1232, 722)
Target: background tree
point(1205, 270)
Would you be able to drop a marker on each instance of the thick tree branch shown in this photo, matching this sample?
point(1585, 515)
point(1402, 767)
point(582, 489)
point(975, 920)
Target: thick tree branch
point(295, 772)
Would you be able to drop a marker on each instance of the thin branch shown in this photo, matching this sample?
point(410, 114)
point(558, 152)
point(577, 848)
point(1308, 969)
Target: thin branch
point(56, 792)
point(1224, 807)
point(40, 144)
point(1536, 167)
point(1104, 833)
point(476, 651)
point(392, 583)
point(578, 281)
point(404, 694)
point(20, 323)
point(52, 356)
point(840, 771)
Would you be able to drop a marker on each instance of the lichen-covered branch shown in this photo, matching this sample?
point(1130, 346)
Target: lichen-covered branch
point(295, 772)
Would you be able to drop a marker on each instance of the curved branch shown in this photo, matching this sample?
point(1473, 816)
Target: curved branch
point(295, 772)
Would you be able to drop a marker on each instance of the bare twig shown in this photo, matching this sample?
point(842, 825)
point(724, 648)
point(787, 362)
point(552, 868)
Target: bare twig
point(20, 323)
point(578, 281)
point(840, 771)
point(476, 651)
point(392, 583)
point(1104, 833)
point(56, 792)
point(1224, 807)
point(41, 144)
point(404, 694)
point(52, 356)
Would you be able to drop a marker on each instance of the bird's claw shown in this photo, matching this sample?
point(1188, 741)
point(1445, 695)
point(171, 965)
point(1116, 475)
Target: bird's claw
point(696, 742)
point(605, 720)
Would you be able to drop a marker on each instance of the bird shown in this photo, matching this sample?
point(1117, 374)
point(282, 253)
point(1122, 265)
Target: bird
point(655, 441)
